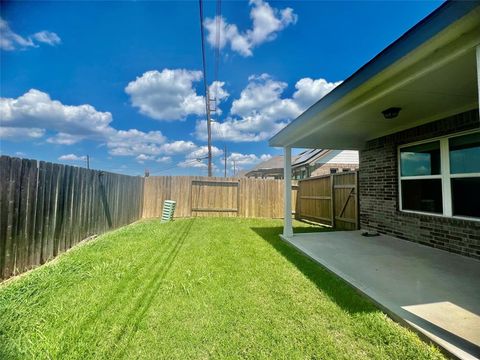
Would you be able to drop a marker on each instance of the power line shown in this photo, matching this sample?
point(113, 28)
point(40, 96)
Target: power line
point(218, 23)
point(218, 40)
point(207, 95)
point(185, 163)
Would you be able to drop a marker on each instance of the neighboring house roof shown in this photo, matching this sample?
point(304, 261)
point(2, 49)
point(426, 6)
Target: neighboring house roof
point(325, 156)
point(274, 163)
point(339, 157)
point(307, 157)
point(311, 156)
point(430, 72)
point(242, 173)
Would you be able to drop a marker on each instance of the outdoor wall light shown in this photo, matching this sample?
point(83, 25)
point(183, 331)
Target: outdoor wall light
point(391, 113)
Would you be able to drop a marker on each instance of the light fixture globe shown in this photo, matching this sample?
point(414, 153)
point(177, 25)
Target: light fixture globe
point(391, 113)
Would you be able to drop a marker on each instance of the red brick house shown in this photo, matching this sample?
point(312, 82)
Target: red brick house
point(413, 114)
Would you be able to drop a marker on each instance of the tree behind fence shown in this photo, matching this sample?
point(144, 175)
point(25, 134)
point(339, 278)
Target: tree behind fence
point(47, 208)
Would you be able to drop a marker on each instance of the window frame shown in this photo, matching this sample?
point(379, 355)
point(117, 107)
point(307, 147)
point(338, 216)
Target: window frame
point(444, 176)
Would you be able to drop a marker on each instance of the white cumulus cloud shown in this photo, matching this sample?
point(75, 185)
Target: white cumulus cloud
point(263, 96)
point(20, 134)
point(261, 111)
point(35, 109)
point(72, 157)
point(243, 161)
point(202, 152)
point(198, 157)
point(33, 113)
point(163, 159)
point(193, 163)
point(266, 23)
point(47, 37)
point(9, 40)
point(134, 142)
point(142, 158)
point(309, 91)
point(64, 139)
point(167, 95)
point(178, 147)
point(170, 94)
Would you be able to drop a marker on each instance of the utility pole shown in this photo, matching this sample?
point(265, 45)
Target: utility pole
point(88, 162)
point(234, 169)
point(207, 93)
point(225, 159)
point(209, 131)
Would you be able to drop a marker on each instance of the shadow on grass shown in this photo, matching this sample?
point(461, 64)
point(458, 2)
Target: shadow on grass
point(130, 324)
point(328, 283)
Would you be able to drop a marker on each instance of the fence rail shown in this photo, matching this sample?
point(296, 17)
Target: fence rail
point(330, 199)
point(47, 208)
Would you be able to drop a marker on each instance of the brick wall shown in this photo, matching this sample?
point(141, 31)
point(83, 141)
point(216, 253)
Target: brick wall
point(324, 169)
point(379, 201)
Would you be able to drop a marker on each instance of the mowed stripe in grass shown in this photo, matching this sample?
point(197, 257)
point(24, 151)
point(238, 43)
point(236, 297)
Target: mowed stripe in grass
point(194, 288)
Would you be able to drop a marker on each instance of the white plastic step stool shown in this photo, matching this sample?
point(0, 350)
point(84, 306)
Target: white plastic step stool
point(168, 210)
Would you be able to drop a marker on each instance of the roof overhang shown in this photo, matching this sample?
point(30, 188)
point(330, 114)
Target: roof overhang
point(430, 72)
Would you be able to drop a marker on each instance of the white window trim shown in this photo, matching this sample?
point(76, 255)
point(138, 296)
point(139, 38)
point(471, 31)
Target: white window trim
point(445, 176)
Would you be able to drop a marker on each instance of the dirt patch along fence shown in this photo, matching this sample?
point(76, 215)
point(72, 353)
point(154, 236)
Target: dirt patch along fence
point(47, 208)
point(215, 196)
point(330, 199)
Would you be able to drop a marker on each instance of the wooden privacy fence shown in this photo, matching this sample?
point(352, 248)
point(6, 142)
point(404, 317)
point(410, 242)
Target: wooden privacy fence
point(47, 208)
point(215, 196)
point(329, 199)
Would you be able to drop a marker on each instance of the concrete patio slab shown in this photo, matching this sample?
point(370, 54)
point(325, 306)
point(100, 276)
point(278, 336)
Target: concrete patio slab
point(434, 292)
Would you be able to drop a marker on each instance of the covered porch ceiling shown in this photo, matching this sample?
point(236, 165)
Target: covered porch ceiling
point(436, 79)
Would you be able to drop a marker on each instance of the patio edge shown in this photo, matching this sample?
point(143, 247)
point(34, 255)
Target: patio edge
point(390, 313)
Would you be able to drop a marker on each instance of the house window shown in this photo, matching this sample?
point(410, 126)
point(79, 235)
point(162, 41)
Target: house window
point(420, 177)
point(441, 176)
point(464, 157)
point(333, 171)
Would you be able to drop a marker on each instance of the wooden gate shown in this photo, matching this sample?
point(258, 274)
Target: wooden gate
point(345, 200)
point(212, 197)
point(330, 199)
point(314, 199)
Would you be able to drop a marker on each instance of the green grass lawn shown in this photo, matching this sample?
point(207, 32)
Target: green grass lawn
point(194, 289)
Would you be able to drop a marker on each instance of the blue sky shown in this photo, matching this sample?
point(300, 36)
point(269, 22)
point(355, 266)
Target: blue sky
point(122, 82)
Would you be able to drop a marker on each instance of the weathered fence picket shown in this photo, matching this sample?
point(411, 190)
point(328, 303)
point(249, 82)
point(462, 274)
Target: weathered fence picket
point(46, 208)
